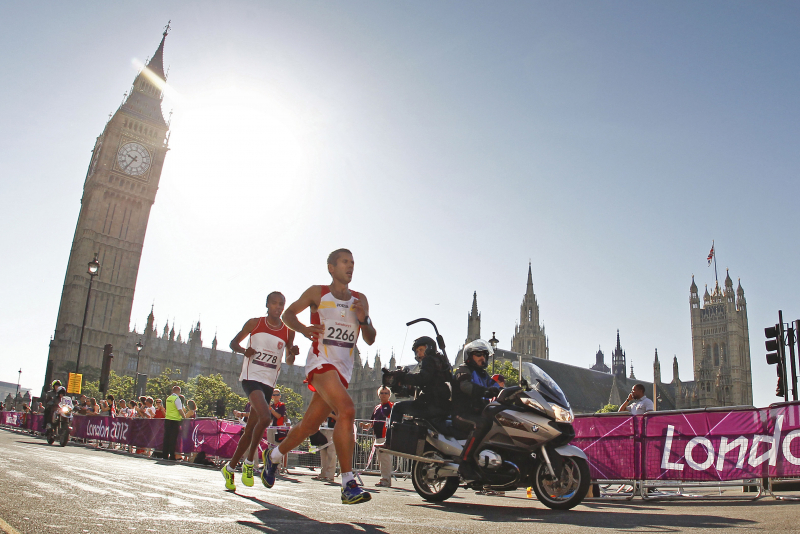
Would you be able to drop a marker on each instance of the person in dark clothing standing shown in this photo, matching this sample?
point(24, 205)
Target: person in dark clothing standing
point(378, 425)
point(432, 380)
point(473, 389)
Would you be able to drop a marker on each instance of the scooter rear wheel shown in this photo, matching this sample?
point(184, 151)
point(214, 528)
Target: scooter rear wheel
point(428, 485)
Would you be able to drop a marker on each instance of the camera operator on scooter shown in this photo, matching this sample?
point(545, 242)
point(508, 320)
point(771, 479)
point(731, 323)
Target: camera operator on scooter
point(473, 389)
point(433, 380)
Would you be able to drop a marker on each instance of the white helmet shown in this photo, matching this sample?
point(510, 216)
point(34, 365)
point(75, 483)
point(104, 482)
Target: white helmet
point(476, 347)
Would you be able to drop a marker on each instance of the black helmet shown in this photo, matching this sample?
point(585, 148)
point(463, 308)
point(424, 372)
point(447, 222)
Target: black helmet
point(56, 384)
point(476, 347)
point(428, 342)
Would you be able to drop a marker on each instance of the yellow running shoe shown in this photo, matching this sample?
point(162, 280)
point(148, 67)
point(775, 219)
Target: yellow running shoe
point(228, 476)
point(247, 474)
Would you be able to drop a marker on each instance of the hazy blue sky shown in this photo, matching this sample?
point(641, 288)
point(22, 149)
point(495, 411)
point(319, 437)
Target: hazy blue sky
point(445, 143)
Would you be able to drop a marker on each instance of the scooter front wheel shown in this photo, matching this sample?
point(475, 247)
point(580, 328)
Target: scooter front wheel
point(428, 484)
point(568, 489)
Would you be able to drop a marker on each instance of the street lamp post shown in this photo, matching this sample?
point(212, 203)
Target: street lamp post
point(139, 348)
point(493, 342)
point(94, 267)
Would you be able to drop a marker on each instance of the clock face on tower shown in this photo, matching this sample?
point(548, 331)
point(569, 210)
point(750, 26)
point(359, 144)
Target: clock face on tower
point(133, 159)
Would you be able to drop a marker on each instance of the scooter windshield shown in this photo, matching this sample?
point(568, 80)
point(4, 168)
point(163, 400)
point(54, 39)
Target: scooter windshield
point(546, 386)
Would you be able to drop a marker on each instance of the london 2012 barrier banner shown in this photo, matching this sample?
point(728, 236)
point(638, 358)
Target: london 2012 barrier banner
point(692, 445)
point(215, 437)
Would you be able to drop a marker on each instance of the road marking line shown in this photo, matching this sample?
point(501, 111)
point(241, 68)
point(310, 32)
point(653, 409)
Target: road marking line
point(8, 529)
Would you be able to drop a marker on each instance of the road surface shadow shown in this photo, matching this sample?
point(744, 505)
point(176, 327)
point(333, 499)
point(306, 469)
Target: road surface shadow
point(276, 519)
point(617, 520)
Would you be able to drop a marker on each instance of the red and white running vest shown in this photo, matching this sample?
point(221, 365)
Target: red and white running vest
point(336, 345)
point(269, 343)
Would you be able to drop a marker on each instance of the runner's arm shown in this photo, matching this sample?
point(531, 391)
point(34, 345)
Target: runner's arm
point(236, 341)
point(309, 298)
point(361, 307)
point(291, 348)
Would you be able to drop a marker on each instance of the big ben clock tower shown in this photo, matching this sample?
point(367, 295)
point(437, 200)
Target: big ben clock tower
point(118, 192)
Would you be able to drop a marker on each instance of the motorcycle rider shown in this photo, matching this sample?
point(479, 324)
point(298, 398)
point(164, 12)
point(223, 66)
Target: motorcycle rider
point(51, 399)
point(433, 378)
point(473, 389)
point(60, 398)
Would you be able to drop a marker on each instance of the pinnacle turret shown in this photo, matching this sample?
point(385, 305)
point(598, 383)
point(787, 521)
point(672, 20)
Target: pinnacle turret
point(156, 63)
point(530, 279)
point(144, 101)
point(473, 321)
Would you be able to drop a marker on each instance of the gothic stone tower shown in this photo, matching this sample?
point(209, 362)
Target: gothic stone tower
point(618, 360)
point(118, 192)
point(473, 321)
point(529, 336)
point(721, 346)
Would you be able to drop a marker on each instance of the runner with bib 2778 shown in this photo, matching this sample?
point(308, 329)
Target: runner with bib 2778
point(269, 340)
point(338, 316)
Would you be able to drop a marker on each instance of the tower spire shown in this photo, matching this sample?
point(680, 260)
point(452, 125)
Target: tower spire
point(156, 63)
point(473, 321)
point(530, 278)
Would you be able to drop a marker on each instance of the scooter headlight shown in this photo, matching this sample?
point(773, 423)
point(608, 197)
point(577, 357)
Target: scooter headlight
point(66, 410)
point(527, 401)
point(563, 415)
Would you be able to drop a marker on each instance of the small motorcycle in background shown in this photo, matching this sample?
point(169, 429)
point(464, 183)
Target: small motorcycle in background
point(62, 424)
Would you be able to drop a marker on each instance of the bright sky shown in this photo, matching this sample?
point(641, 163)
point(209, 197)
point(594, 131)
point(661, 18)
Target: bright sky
point(445, 143)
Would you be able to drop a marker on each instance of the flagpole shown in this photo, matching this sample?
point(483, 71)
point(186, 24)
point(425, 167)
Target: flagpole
point(714, 248)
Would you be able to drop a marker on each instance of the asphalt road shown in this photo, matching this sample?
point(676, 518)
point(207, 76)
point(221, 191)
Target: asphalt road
point(83, 490)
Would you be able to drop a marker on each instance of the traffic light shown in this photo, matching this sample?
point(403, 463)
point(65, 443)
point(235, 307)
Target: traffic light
point(106, 369)
point(780, 391)
point(776, 356)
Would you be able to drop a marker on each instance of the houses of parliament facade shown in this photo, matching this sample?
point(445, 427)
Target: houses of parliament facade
point(118, 192)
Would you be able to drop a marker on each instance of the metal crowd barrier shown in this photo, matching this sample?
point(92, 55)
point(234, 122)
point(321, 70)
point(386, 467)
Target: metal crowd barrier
point(365, 455)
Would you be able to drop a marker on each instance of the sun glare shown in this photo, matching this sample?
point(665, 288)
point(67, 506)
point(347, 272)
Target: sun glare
point(252, 137)
point(167, 89)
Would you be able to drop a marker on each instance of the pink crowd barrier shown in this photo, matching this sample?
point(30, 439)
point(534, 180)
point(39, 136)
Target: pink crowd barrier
point(213, 436)
point(693, 445)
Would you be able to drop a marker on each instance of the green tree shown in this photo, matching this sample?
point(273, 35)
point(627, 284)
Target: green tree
point(160, 387)
point(506, 369)
point(90, 374)
point(119, 386)
point(207, 390)
point(294, 404)
point(608, 408)
point(92, 390)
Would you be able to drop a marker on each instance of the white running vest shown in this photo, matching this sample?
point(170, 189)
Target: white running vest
point(336, 345)
point(265, 365)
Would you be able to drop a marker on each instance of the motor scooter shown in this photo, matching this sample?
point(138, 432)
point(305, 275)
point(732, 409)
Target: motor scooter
point(526, 446)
